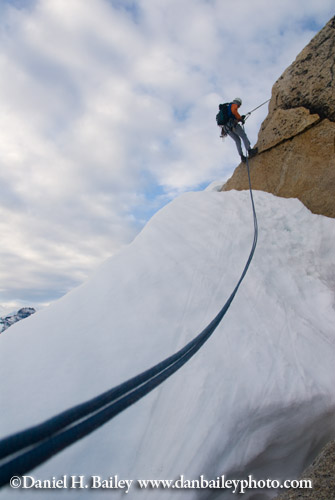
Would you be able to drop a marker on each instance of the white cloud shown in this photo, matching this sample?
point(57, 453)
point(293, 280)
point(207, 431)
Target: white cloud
point(108, 109)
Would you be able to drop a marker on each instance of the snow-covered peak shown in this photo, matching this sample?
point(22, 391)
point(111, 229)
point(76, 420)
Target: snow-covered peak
point(15, 316)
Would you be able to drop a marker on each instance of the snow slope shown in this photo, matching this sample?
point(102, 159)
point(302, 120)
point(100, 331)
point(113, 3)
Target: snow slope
point(257, 399)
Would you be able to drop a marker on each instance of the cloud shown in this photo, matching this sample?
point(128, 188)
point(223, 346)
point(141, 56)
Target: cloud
point(107, 111)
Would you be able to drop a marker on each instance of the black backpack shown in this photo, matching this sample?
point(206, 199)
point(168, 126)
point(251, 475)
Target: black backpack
point(224, 114)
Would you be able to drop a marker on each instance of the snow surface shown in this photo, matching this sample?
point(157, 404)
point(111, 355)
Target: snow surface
point(258, 398)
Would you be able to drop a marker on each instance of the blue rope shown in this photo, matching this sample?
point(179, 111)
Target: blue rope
point(37, 444)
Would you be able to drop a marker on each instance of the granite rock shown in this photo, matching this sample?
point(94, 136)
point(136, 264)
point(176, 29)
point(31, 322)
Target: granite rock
point(296, 141)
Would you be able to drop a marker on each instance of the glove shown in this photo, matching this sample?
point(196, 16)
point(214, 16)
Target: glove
point(243, 119)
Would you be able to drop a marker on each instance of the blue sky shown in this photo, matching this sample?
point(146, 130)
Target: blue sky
point(108, 112)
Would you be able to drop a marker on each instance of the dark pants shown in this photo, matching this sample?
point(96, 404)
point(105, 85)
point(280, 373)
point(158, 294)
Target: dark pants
point(237, 133)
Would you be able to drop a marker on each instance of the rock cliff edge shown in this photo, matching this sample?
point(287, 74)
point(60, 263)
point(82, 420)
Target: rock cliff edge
point(296, 141)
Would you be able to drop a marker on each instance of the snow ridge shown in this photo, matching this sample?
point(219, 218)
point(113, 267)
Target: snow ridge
point(257, 399)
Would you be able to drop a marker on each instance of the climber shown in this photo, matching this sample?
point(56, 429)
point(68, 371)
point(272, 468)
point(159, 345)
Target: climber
point(234, 129)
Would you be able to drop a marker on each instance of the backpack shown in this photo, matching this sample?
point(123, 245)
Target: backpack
point(224, 114)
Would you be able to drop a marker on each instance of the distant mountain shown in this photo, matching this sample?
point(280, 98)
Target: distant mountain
point(14, 317)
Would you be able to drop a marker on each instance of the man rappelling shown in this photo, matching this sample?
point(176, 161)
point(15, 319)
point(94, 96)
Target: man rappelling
point(228, 119)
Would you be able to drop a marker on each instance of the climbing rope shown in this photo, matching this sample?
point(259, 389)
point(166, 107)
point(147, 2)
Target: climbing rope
point(249, 113)
point(25, 450)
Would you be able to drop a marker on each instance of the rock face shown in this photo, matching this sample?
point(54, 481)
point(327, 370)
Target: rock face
point(9, 320)
point(296, 141)
point(322, 475)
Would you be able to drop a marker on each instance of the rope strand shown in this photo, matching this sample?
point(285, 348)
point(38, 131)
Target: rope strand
point(27, 449)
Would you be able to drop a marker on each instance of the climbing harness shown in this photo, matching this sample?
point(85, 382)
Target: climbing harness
point(25, 450)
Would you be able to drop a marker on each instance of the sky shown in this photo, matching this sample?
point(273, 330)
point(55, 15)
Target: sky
point(107, 112)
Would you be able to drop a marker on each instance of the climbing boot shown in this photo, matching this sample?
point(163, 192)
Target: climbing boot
point(252, 152)
point(243, 158)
